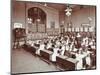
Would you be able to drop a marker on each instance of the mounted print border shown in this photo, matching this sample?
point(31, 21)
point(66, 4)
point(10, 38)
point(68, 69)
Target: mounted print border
point(52, 37)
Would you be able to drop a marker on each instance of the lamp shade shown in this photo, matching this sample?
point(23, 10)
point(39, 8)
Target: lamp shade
point(29, 20)
point(68, 13)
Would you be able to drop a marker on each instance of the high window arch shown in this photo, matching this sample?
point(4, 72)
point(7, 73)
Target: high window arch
point(38, 19)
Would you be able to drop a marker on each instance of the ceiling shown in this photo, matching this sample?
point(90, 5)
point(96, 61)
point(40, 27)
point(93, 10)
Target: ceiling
point(62, 7)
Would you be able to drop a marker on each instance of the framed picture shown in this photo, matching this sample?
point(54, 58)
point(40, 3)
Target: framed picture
point(18, 25)
point(40, 44)
point(52, 24)
point(85, 25)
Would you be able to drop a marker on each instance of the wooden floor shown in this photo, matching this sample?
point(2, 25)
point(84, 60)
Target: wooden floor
point(24, 62)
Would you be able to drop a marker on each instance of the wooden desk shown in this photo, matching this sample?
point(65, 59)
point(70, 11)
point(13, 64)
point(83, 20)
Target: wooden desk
point(29, 48)
point(46, 54)
point(66, 63)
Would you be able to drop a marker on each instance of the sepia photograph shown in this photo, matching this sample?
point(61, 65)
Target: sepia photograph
point(52, 37)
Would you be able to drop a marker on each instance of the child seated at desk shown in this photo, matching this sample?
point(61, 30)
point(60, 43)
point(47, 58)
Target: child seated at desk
point(42, 47)
point(55, 53)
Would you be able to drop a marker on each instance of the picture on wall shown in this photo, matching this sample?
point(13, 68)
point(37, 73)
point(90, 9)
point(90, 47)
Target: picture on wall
point(52, 24)
point(41, 43)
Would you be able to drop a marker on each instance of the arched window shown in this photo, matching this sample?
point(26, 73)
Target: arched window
point(38, 17)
